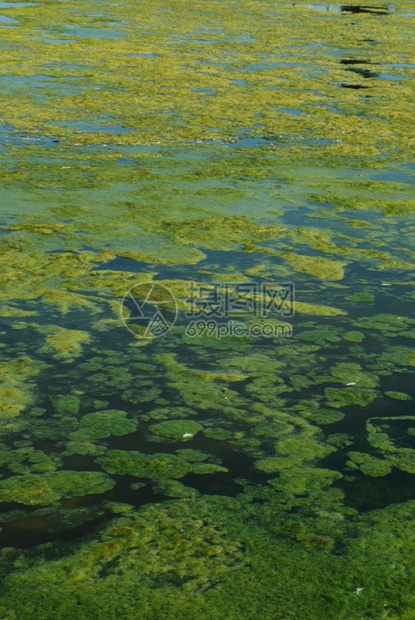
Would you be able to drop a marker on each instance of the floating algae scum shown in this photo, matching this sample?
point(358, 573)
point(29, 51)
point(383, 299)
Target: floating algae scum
point(192, 476)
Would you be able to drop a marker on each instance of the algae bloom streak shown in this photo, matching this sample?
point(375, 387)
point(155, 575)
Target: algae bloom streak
point(213, 159)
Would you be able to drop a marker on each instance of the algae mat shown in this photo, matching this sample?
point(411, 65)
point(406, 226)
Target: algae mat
point(246, 170)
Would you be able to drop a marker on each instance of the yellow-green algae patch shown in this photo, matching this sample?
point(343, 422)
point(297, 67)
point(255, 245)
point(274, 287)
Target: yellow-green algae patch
point(65, 344)
point(50, 487)
point(398, 395)
point(272, 119)
point(300, 481)
point(321, 268)
point(368, 465)
point(17, 389)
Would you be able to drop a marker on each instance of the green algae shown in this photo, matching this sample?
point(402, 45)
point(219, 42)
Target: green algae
point(159, 188)
point(292, 452)
point(43, 490)
point(68, 404)
point(17, 391)
point(319, 336)
point(368, 465)
point(398, 395)
point(300, 481)
point(174, 430)
point(348, 373)
point(364, 297)
point(174, 488)
point(109, 421)
point(338, 397)
point(322, 416)
point(66, 344)
point(381, 437)
point(153, 467)
point(321, 268)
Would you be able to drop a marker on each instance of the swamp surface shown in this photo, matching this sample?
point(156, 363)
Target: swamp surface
point(207, 326)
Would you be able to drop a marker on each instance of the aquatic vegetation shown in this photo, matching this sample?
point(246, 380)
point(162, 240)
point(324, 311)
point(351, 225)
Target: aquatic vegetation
point(154, 466)
point(348, 373)
point(174, 430)
point(339, 397)
point(304, 480)
point(398, 395)
point(369, 465)
point(321, 268)
point(17, 390)
point(110, 421)
point(322, 416)
point(66, 343)
point(43, 490)
point(191, 143)
point(380, 436)
point(174, 488)
point(67, 405)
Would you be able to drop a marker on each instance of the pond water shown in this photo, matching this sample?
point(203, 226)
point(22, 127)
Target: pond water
point(207, 327)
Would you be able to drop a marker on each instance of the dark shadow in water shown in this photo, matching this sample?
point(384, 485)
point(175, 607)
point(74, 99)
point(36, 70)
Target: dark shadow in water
point(354, 61)
point(353, 86)
point(365, 73)
point(370, 10)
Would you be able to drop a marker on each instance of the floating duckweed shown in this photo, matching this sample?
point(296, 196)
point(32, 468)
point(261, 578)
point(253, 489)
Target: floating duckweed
point(368, 465)
point(154, 466)
point(192, 456)
point(322, 416)
point(109, 421)
point(384, 323)
point(319, 336)
point(43, 490)
point(347, 373)
point(305, 480)
point(208, 468)
point(364, 297)
point(67, 405)
point(292, 452)
point(84, 448)
point(174, 488)
point(165, 413)
point(12, 311)
point(401, 356)
point(66, 343)
point(381, 437)
point(17, 391)
point(174, 430)
point(398, 395)
point(136, 396)
point(339, 397)
point(321, 268)
point(353, 336)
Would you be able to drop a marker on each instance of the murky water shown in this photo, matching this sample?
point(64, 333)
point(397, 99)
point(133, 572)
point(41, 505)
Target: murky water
point(207, 321)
